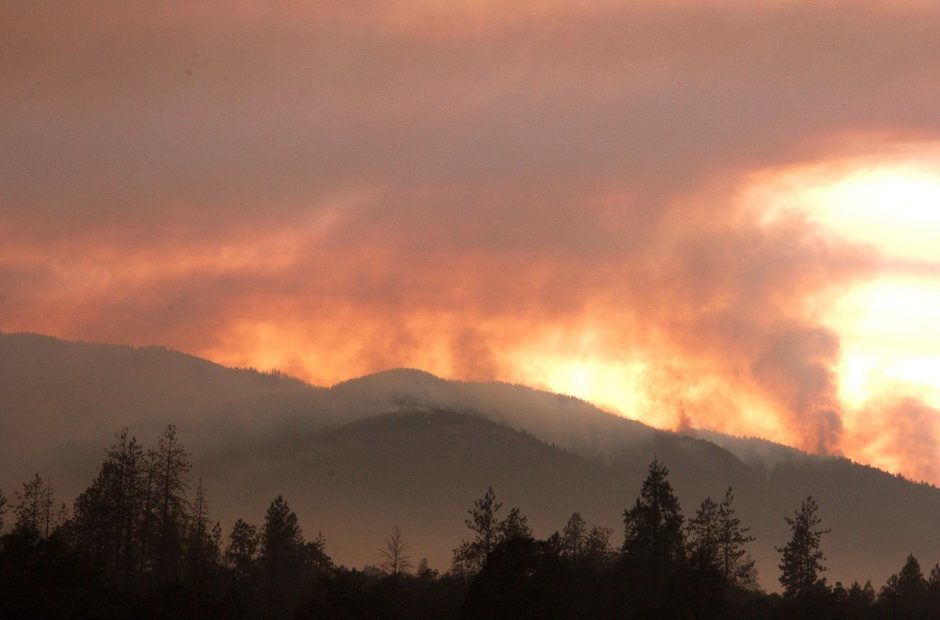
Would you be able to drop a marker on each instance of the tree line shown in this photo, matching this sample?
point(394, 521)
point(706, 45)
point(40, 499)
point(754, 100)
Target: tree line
point(140, 542)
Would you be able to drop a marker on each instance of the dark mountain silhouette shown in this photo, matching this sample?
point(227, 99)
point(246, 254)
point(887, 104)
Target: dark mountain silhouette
point(405, 447)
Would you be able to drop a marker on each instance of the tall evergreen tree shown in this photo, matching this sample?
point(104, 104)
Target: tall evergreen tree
point(107, 515)
point(597, 543)
point(573, 536)
point(703, 533)
point(242, 550)
point(281, 561)
point(577, 542)
point(484, 523)
point(734, 562)
point(933, 581)
point(909, 582)
point(202, 549)
point(654, 544)
point(148, 514)
point(653, 527)
point(34, 506)
point(515, 525)
point(801, 562)
point(171, 467)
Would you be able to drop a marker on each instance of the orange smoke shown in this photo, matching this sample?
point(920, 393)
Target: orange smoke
point(555, 196)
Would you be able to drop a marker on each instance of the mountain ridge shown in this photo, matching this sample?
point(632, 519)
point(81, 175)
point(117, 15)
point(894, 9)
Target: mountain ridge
point(254, 435)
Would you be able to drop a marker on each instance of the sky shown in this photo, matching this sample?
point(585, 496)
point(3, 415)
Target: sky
point(716, 214)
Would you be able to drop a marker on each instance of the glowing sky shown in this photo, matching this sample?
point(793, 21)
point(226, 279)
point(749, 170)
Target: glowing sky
point(712, 214)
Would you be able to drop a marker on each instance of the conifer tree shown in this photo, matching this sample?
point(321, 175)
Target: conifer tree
point(573, 536)
point(576, 541)
point(703, 533)
point(108, 514)
point(281, 560)
point(34, 506)
point(242, 550)
point(933, 581)
point(171, 467)
point(3, 509)
point(654, 544)
point(802, 559)
point(653, 527)
point(484, 523)
point(909, 582)
point(734, 563)
point(597, 543)
point(202, 548)
point(515, 525)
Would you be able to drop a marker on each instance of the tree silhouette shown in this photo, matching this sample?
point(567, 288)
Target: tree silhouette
point(573, 536)
point(171, 467)
point(515, 525)
point(802, 559)
point(909, 582)
point(734, 563)
point(396, 560)
point(933, 582)
point(489, 532)
point(654, 545)
point(597, 543)
point(242, 550)
point(483, 522)
point(703, 532)
point(3, 509)
point(108, 514)
point(653, 527)
point(202, 548)
point(34, 506)
point(281, 560)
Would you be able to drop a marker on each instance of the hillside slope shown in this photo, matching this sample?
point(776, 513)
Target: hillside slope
point(405, 447)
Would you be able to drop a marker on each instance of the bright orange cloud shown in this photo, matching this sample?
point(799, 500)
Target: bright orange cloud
point(539, 193)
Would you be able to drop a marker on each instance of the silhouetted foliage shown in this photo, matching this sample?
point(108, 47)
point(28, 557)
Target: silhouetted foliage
point(3, 509)
point(396, 560)
point(654, 544)
point(801, 561)
point(33, 507)
point(109, 514)
point(136, 548)
point(734, 563)
point(488, 532)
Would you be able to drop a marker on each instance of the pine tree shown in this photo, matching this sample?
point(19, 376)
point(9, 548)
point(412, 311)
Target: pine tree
point(703, 533)
point(483, 522)
point(654, 544)
point(653, 527)
point(34, 506)
point(734, 562)
point(3, 509)
point(202, 548)
point(242, 551)
point(597, 543)
point(515, 525)
point(802, 559)
point(933, 582)
point(573, 536)
point(171, 467)
point(281, 561)
point(909, 583)
point(108, 513)
point(576, 541)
